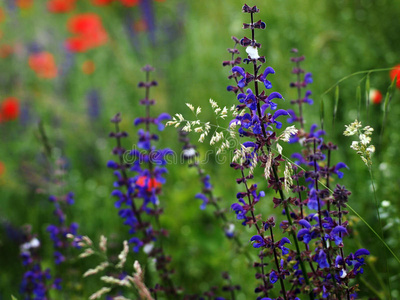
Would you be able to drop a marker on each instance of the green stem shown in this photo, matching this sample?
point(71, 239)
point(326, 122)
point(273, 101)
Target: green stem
point(381, 229)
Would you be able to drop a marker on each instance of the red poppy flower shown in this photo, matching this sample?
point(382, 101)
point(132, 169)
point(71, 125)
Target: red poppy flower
point(396, 72)
point(43, 64)
point(375, 96)
point(150, 183)
point(89, 32)
point(60, 6)
point(24, 4)
point(9, 109)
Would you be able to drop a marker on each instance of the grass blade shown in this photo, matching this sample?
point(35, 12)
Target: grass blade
point(388, 97)
point(336, 105)
point(358, 98)
point(367, 97)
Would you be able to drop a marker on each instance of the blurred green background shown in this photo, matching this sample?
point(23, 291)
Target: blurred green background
point(186, 46)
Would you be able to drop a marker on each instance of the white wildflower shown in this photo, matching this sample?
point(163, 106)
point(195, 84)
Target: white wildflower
point(371, 149)
point(103, 243)
point(198, 110)
point(362, 146)
point(352, 129)
point(187, 127)
point(99, 268)
point(279, 148)
point(148, 248)
point(99, 293)
point(287, 133)
point(86, 253)
point(368, 130)
point(190, 106)
point(122, 256)
point(288, 181)
point(180, 117)
point(267, 169)
point(120, 298)
point(252, 52)
point(365, 140)
point(224, 113)
point(213, 104)
point(355, 146)
point(188, 153)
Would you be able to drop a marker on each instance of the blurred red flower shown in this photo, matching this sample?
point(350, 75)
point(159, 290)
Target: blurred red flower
point(396, 72)
point(6, 51)
point(43, 65)
point(2, 168)
point(2, 15)
point(375, 96)
point(129, 3)
point(150, 183)
point(24, 4)
point(60, 6)
point(89, 32)
point(88, 67)
point(140, 25)
point(9, 109)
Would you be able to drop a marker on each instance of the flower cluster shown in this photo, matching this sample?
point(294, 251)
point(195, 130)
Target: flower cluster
point(58, 233)
point(88, 32)
point(321, 232)
point(138, 196)
point(115, 275)
point(363, 147)
point(36, 282)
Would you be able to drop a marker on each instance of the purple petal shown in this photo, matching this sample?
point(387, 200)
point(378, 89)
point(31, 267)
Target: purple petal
point(361, 251)
point(304, 223)
point(267, 71)
point(280, 112)
point(239, 70)
point(274, 95)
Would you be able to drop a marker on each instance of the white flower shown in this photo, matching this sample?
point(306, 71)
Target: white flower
point(148, 248)
point(190, 152)
point(364, 139)
point(354, 145)
point(252, 52)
